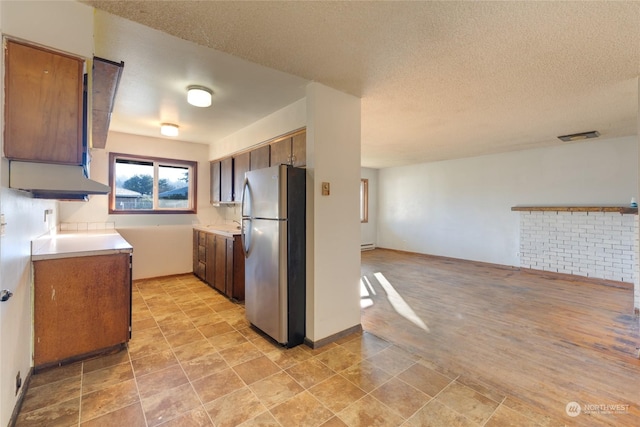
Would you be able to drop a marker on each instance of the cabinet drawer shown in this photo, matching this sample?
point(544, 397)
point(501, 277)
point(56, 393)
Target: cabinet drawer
point(202, 253)
point(202, 238)
point(202, 270)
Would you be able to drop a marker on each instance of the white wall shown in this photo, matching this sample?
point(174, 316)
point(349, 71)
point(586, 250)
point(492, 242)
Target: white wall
point(71, 31)
point(461, 208)
point(63, 25)
point(285, 120)
point(162, 244)
point(368, 230)
point(25, 221)
point(636, 281)
point(333, 222)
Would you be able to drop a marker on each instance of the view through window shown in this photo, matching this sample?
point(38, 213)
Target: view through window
point(151, 185)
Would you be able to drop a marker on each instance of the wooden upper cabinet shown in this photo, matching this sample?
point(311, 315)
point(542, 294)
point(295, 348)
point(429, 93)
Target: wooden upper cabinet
point(241, 163)
point(226, 180)
point(214, 194)
point(260, 158)
point(299, 149)
point(43, 105)
point(281, 152)
point(290, 150)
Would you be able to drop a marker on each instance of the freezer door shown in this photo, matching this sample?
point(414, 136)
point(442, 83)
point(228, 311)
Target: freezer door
point(266, 278)
point(266, 193)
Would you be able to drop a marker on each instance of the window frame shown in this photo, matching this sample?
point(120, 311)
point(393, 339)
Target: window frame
point(364, 200)
point(157, 162)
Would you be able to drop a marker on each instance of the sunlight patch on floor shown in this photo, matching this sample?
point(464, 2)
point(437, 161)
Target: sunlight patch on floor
point(399, 304)
point(365, 293)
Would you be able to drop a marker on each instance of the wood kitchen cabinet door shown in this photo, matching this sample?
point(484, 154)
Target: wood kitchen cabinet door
point(229, 266)
point(214, 194)
point(299, 150)
point(260, 158)
point(290, 150)
point(220, 267)
point(234, 250)
point(81, 305)
point(210, 258)
point(43, 105)
point(226, 180)
point(241, 164)
point(281, 152)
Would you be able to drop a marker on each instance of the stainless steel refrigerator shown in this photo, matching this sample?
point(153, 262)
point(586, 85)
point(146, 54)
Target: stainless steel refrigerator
point(274, 243)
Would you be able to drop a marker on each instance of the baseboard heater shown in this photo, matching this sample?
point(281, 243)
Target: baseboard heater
point(367, 246)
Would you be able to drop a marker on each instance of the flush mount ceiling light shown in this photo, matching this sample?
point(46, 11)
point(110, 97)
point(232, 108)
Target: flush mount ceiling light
point(579, 136)
point(199, 96)
point(169, 129)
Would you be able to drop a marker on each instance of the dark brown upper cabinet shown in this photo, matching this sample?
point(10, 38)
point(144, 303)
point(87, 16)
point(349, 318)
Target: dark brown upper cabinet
point(226, 180)
point(291, 150)
point(241, 164)
point(214, 195)
point(44, 109)
point(260, 157)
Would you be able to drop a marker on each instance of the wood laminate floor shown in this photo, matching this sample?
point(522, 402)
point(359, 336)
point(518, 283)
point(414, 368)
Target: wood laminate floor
point(537, 341)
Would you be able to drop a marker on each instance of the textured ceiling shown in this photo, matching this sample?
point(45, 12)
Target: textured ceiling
point(438, 80)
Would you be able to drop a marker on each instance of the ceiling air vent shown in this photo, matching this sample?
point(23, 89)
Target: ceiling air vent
point(579, 136)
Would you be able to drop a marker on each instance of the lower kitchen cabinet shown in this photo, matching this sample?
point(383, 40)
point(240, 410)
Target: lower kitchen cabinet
point(218, 260)
point(199, 254)
point(235, 268)
point(82, 306)
point(220, 263)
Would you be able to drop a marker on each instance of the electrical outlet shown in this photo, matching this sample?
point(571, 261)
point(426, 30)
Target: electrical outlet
point(18, 382)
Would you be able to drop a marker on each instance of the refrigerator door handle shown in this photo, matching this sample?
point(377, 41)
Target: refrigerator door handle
point(243, 231)
point(245, 242)
point(245, 187)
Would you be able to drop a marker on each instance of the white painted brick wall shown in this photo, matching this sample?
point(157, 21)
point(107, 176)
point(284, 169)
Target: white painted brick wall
point(635, 253)
point(603, 245)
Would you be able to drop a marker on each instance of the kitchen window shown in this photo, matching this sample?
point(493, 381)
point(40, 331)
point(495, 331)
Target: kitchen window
point(151, 185)
point(364, 200)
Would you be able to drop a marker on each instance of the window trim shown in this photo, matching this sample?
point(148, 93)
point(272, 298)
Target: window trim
point(364, 200)
point(157, 161)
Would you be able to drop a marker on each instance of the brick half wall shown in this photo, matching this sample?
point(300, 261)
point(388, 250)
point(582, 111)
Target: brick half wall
point(601, 245)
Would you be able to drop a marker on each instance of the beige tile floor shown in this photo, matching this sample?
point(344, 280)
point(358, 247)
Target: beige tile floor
point(195, 361)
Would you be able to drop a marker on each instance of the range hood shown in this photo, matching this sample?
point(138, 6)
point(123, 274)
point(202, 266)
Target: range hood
point(53, 181)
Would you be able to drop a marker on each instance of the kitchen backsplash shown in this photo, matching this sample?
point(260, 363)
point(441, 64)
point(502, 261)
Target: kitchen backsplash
point(86, 226)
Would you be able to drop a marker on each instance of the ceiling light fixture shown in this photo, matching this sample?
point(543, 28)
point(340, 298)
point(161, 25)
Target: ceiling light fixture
point(169, 129)
point(199, 96)
point(579, 136)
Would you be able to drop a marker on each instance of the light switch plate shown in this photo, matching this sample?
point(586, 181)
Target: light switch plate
point(326, 189)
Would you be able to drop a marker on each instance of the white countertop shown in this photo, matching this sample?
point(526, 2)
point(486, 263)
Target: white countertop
point(228, 230)
point(68, 244)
